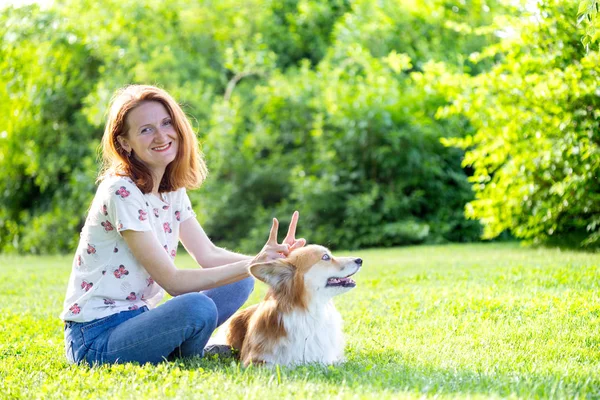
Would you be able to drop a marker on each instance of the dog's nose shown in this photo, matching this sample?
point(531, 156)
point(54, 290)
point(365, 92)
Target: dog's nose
point(358, 261)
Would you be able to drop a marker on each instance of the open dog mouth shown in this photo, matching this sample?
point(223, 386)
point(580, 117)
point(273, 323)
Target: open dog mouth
point(341, 282)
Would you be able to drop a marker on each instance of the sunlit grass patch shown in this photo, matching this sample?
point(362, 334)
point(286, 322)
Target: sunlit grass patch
point(447, 321)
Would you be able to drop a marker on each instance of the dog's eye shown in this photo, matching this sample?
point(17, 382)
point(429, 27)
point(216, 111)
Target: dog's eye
point(326, 257)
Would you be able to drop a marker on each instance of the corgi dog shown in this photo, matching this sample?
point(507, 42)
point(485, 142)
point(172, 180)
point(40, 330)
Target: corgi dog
point(296, 323)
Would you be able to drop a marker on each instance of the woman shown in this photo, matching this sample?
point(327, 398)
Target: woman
point(124, 261)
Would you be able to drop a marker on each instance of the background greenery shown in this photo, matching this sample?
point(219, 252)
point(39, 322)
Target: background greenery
point(379, 121)
point(478, 321)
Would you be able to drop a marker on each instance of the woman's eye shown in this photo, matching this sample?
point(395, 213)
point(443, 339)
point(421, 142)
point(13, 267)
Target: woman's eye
point(326, 257)
point(167, 122)
point(145, 130)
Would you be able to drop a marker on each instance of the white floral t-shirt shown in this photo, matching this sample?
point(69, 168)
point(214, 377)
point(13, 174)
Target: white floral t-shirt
point(106, 278)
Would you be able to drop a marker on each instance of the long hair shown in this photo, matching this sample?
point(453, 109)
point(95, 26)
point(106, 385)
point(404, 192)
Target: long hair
point(188, 169)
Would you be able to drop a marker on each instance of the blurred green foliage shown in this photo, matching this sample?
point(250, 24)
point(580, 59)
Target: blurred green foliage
point(587, 13)
point(328, 107)
point(535, 150)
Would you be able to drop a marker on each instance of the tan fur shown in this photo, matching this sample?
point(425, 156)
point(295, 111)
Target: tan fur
point(238, 327)
point(265, 330)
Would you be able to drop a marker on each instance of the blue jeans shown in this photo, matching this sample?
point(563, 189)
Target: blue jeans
point(180, 327)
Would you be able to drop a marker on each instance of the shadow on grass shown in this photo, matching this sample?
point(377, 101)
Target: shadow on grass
point(386, 371)
point(571, 241)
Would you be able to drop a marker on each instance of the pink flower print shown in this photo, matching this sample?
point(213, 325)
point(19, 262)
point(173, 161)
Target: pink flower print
point(167, 227)
point(133, 307)
point(79, 260)
point(107, 226)
point(143, 215)
point(115, 250)
point(120, 272)
point(75, 309)
point(178, 215)
point(165, 207)
point(149, 281)
point(85, 285)
point(155, 212)
point(91, 249)
point(104, 272)
point(120, 226)
point(122, 192)
point(109, 302)
point(104, 209)
point(166, 248)
point(131, 296)
point(173, 253)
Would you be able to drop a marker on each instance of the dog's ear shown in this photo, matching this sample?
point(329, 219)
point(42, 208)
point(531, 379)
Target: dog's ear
point(274, 273)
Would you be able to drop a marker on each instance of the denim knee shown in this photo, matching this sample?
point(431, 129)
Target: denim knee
point(198, 309)
point(247, 285)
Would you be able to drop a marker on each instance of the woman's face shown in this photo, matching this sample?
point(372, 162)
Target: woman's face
point(151, 136)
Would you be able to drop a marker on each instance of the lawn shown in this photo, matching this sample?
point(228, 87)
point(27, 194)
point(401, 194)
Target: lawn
point(477, 321)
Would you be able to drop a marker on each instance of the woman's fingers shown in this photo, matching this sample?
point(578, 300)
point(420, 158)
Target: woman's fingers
point(298, 244)
point(273, 233)
point(291, 235)
point(282, 248)
point(292, 229)
point(273, 252)
point(289, 243)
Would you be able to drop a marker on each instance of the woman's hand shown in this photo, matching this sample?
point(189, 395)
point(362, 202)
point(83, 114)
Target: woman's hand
point(272, 250)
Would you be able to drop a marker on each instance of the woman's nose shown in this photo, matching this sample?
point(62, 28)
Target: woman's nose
point(161, 133)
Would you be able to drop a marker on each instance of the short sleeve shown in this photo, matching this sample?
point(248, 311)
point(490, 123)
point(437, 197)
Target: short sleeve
point(126, 206)
point(186, 206)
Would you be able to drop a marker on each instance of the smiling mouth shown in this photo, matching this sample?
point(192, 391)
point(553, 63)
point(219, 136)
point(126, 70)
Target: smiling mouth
point(341, 282)
point(163, 148)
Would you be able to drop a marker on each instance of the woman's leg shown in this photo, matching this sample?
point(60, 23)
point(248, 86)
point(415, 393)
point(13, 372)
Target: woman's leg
point(179, 327)
point(230, 298)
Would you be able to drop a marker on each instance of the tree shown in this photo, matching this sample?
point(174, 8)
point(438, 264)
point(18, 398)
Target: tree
point(535, 152)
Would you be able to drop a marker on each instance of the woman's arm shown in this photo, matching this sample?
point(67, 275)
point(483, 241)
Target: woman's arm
point(206, 254)
point(202, 249)
point(148, 251)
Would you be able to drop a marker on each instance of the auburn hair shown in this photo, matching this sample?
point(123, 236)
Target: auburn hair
point(188, 169)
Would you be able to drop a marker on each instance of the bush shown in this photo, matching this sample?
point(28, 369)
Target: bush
point(299, 104)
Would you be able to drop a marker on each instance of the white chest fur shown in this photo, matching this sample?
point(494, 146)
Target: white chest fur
point(314, 335)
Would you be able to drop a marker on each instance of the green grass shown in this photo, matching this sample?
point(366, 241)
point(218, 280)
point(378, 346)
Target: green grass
point(477, 321)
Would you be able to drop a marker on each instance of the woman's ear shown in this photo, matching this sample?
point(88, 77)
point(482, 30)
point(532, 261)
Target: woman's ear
point(124, 143)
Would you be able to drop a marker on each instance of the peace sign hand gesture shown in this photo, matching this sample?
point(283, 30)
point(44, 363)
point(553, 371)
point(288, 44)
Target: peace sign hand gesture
point(273, 250)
